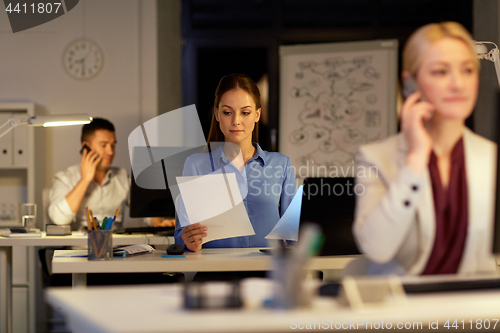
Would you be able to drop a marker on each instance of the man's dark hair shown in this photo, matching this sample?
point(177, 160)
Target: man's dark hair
point(96, 124)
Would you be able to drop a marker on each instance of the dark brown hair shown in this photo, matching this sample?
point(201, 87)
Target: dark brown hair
point(88, 130)
point(227, 83)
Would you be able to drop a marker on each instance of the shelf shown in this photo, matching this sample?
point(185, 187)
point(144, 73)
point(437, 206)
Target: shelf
point(14, 167)
point(17, 186)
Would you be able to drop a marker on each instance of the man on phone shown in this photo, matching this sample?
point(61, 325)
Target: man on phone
point(93, 183)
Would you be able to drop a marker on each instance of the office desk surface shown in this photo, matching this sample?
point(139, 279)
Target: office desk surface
point(76, 239)
point(206, 260)
point(80, 239)
point(158, 309)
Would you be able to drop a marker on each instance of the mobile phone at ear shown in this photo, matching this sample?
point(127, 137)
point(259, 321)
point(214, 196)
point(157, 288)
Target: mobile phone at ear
point(85, 147)
point(409, 87)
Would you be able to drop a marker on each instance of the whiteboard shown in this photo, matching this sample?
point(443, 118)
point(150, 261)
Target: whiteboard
point(334, 98)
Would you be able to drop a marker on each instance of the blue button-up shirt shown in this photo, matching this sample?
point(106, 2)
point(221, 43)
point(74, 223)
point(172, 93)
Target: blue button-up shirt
point(267, 186)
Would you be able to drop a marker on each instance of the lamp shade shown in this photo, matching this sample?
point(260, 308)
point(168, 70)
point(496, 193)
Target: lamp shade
point(59, 120)
point(481, 50)
point(491, 55)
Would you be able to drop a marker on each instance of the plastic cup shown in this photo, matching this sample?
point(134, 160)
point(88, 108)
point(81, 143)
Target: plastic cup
point(28, 214)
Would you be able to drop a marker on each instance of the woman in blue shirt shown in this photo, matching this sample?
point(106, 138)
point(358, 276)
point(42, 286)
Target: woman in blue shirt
point(266, 179)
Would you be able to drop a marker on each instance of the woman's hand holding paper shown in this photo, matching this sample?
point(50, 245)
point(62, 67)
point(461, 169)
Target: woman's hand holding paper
point(193, 235)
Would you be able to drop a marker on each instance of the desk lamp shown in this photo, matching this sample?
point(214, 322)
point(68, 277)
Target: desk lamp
point(492, 55)
point(46, 121)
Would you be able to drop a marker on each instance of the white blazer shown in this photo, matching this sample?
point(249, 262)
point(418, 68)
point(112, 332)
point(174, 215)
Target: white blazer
point(394, 220)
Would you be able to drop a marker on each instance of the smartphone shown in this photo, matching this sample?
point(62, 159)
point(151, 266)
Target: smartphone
point(409, 87)
point(85, 147)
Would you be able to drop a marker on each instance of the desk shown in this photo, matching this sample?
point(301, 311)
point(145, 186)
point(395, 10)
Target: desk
point(206, 260)
point(156, 309)
point(76, 239)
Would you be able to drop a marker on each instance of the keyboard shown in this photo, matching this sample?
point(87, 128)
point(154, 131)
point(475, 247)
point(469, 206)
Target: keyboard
point(431, 284)
point(167, 231)
point(453, 285)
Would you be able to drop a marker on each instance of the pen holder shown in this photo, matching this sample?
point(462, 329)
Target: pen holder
point(289, 277)
point(100, 244)
point(290, 269)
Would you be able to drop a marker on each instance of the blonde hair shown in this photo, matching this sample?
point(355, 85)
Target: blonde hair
point(420, 41)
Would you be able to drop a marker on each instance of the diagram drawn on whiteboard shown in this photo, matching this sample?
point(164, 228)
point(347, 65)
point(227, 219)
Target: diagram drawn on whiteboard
point(331, 103)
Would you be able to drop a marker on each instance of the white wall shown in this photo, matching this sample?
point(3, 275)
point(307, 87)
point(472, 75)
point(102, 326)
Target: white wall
point(125, 92)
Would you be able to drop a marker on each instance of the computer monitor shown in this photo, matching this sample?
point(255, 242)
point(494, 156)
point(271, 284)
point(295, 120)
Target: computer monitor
point(154, 186)
point(329, 203)
point(150, 203)
point(153, 189)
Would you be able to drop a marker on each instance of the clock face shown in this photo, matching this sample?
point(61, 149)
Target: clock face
point(83, 59)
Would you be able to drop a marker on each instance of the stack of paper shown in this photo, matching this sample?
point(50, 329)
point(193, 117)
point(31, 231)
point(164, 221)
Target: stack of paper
point(215, 201)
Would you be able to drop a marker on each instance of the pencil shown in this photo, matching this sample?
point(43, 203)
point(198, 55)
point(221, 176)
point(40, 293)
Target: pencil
point(88, 219)
point(93, 236)
point(103, 245)
point(116, 214)
point(93, 221)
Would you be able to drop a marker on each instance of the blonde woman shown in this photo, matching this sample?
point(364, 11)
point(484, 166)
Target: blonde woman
point(429, 210)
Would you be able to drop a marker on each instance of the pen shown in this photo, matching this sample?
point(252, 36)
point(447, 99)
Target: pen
point(96, 223)
point(111, 220)
point(104, 223)
point(110, 223)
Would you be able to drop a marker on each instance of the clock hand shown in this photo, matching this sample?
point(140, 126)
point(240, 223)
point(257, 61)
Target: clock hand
point(83, 67)
point(88, 53)
point(82, 59)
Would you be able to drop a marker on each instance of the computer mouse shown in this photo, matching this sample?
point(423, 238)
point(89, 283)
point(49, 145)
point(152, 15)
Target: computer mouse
point(175, 249)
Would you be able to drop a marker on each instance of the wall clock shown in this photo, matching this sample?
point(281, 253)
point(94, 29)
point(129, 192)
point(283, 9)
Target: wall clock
point(83, 59)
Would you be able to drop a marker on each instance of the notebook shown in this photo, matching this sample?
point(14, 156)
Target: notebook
point(20, 233)
point(120, 252)
point(132, 250)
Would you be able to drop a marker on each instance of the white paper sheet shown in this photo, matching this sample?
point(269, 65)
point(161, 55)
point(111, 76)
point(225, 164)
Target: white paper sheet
point(288, 226)
point(215, 202)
